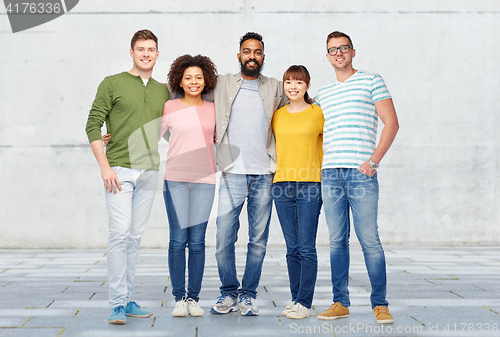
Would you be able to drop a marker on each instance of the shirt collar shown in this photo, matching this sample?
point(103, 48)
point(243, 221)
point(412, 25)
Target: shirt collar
point(261, 77)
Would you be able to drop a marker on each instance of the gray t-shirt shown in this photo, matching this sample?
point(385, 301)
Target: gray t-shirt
point(247, 130)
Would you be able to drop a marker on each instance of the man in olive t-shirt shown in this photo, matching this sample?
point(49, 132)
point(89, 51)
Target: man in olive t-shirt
point(131, 103)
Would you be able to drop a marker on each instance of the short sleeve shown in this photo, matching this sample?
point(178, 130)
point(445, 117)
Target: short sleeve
point(317, 99)
point(165, 121)
point(379, 89)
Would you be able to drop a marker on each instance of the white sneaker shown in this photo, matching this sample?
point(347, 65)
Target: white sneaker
point(194, 308)
point(288, 308)
point(180, 309)
point(298, 312)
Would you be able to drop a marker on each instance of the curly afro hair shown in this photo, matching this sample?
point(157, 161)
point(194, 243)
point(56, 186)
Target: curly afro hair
point(185, 61)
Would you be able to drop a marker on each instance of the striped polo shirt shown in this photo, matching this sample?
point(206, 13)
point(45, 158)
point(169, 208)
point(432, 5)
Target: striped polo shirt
point(351, 121)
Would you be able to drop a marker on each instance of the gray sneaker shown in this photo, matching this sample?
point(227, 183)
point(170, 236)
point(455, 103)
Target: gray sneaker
point(225, 304)
point(247, 307)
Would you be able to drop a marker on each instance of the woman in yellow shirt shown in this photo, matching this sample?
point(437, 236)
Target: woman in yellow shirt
point(298, 129)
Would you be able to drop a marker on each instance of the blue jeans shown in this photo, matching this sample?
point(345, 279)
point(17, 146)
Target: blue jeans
point(344, 189)
point(128, 214)
point(188, 210)
point(298, 205)
point(234, 189)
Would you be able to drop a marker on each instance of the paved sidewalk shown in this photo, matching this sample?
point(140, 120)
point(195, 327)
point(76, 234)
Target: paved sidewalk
point(433, 291)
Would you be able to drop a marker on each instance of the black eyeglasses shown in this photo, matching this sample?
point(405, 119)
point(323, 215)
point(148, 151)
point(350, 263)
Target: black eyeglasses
point(344, 49)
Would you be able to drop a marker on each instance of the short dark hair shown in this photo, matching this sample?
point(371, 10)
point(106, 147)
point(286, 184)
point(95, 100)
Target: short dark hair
point(183, 62)
point(299, 72)
point(251, 36)
point(143, 35)
point(337, 34)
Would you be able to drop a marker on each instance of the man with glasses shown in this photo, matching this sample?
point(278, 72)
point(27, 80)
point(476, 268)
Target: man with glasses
point(352, 106)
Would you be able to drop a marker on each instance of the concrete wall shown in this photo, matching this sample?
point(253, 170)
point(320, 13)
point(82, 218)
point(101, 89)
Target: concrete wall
point(439, 182)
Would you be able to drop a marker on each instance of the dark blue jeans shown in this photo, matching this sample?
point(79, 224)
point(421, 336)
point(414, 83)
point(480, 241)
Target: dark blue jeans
point(188, 210)
point(298, 206)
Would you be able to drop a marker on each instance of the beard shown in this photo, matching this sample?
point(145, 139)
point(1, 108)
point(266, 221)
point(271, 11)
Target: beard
point(251, 72)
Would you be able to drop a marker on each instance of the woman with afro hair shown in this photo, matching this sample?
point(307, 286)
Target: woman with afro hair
point(189, 186)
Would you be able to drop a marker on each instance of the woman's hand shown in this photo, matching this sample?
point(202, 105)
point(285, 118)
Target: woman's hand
point(106, 139)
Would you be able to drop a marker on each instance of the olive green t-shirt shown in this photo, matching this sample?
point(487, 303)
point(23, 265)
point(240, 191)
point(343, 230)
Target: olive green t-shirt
point(132, 112)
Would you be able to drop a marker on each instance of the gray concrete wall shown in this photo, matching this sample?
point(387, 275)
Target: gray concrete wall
point(439, 182)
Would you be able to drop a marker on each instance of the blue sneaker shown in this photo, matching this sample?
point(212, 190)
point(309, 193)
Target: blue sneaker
point(133, 309)
point(118, 315)
point(247, 306)
point(225, 304)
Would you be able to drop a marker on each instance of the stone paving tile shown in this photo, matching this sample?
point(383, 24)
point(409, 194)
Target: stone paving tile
point(433, 291)
point(12, 322)
point(28, 303)
point(33, 332)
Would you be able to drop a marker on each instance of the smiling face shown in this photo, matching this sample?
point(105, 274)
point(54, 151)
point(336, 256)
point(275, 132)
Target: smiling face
point(251, 57)
point(193, 82)
point(295, 89)
point(340, 61)
point(144, 55)
point(296, 82)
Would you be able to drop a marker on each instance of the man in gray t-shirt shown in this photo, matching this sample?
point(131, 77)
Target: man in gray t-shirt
point(247, 130)
point(246, 154)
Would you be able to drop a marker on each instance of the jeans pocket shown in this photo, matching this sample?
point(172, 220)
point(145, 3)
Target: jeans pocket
point(362, 175)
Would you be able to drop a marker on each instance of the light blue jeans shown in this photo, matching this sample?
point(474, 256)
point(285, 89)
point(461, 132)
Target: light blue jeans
point(188, 210)
point(128, 214)
point(345, 189)
point(234, 190)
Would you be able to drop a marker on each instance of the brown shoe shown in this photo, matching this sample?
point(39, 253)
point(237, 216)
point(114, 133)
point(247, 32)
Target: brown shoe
point(335, 311)
point(383, 315)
